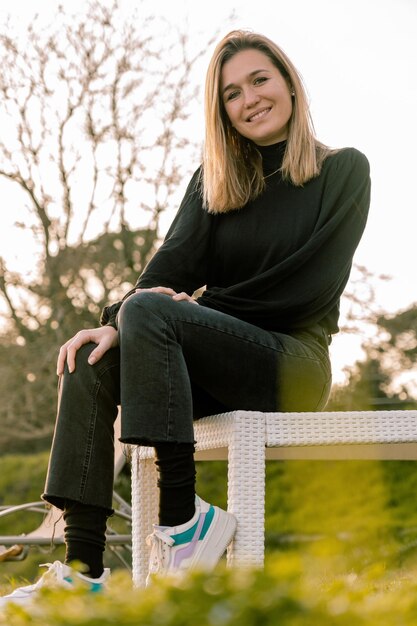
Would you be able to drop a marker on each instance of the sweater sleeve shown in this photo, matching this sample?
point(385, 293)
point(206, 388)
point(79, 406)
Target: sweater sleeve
point(181, 261)
point(303, 288)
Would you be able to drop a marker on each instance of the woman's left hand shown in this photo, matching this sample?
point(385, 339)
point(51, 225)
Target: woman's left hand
point(170, 292)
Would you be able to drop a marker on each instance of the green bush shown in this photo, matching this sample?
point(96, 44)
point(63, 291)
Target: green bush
point(341, 546)
point(286, 593)
point(22, 479)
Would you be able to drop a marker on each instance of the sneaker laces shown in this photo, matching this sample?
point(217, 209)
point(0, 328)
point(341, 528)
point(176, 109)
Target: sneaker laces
point(158, 542)
point(56, 571)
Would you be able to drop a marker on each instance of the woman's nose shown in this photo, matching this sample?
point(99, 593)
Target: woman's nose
point(251, 97)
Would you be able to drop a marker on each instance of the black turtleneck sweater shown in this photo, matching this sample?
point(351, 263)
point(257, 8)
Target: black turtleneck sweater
point(283, 260)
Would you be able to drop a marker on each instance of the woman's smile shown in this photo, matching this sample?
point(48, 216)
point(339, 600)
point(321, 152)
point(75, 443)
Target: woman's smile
point(259, 115)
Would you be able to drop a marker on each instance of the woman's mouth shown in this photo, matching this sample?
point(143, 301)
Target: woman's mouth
point(258, 115)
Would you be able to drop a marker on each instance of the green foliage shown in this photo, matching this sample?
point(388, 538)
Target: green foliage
point(360, 511)
point(385, 379)
point(368, 389)
point(21, 479)
point(212, 481)
point(402, 329)
point(341, 549)
point(354, 512)
point(287, 592)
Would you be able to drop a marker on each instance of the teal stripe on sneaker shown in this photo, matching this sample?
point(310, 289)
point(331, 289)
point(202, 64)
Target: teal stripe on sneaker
point(188, 535)
point(93, 587)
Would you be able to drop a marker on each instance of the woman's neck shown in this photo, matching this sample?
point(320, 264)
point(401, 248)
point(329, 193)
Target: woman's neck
point(272, 156)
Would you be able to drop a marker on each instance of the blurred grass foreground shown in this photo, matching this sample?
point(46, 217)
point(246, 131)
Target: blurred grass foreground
point(285, 593)
point(341, 548)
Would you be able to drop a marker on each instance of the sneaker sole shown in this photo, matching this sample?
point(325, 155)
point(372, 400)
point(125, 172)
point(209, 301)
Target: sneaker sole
point(214, 544)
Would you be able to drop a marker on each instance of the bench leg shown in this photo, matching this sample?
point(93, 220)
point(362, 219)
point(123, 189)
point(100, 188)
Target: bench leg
point(246, 491)
point(144, 513)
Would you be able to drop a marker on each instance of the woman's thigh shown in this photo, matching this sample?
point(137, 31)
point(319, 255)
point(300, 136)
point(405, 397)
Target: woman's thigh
point(240, 366)
point(235, 365)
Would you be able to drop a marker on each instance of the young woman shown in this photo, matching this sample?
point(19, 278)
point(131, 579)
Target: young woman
point(268, 225)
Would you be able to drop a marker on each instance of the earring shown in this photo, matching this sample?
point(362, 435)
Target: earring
point(292, 92)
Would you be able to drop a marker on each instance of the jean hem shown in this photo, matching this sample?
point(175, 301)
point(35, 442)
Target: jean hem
point(59, 502)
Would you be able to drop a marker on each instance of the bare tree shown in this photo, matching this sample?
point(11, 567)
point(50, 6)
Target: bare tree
point(94, 109)
point(360, 309)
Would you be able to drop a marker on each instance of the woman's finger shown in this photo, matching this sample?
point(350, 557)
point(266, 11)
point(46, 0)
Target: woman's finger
point(62, 357)
point(166, 290)
point(169, 292)
point(184, 296)
point(75, 344)
point(107, 341)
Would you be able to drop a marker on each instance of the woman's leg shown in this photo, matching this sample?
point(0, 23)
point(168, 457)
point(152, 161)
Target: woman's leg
point(81, 466)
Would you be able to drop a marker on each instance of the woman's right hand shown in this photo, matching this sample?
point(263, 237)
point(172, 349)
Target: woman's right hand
point(105, 337)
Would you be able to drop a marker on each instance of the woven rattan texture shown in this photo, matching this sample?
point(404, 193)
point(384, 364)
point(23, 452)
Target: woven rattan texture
point(342, 427)
point(246, 434)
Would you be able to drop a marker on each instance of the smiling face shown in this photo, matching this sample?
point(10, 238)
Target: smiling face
point(256, 97)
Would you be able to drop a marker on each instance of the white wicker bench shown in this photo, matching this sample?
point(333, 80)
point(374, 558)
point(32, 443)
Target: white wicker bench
point(246, 439)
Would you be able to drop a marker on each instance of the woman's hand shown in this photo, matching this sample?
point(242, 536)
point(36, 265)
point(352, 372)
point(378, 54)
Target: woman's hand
point(105, 337)
point(170, 292)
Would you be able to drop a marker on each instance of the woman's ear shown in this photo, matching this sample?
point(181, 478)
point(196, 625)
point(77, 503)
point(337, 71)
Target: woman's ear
point(290, 87)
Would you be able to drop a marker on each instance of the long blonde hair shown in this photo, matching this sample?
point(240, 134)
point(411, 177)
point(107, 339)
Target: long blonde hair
point(232, 166)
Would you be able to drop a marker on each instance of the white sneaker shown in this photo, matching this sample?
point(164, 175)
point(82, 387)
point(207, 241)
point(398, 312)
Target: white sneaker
point(197, 544)
point(58, 575)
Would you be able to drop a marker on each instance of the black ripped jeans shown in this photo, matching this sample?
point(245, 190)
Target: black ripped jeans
point(177, 361)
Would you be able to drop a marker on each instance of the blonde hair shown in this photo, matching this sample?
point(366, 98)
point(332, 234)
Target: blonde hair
point(232, 166)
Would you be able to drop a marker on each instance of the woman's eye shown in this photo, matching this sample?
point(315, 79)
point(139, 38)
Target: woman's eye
point(232, 95)
point(259, 80)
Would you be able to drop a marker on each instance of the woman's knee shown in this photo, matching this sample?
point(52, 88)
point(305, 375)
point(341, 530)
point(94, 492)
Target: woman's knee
point(84, 352)
point(139, 306)
point(81, 360)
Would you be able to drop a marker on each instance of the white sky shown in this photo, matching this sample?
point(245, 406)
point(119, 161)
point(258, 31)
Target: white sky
point(358, 59)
